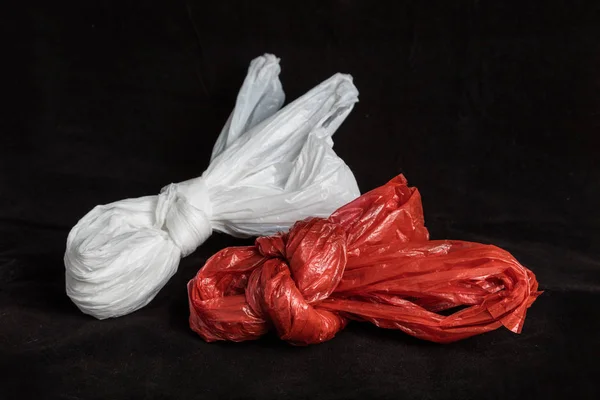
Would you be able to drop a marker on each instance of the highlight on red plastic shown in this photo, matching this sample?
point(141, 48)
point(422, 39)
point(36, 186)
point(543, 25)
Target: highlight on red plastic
point(371, 260)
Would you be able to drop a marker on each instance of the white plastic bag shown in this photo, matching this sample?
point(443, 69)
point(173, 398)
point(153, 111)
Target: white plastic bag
point(268, 169)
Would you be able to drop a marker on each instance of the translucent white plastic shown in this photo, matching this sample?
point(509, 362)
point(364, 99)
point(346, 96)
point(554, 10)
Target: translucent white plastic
point(269, 168)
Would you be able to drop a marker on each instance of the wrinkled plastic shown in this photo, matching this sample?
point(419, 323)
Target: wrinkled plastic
point(371, 260)
point(269, 168)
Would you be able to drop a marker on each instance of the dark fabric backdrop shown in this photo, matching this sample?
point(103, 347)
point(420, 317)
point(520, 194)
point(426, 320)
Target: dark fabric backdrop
point(491, 108)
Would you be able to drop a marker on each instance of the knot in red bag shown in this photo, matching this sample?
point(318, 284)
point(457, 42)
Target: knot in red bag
point(370, 261)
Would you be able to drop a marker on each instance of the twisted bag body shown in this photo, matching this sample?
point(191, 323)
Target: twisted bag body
point(371, 260)
point(269, 168)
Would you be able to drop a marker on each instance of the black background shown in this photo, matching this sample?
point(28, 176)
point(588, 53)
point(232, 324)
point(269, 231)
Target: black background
point(491, 108)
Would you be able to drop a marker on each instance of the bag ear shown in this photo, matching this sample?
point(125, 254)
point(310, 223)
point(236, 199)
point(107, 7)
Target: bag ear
point(285, 169)
point(260, 96)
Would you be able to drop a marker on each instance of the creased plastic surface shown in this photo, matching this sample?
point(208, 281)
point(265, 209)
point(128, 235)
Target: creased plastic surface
point(371, 260)
point(269, 168)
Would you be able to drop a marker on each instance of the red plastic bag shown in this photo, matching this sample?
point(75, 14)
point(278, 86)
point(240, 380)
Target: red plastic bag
point(372, 260)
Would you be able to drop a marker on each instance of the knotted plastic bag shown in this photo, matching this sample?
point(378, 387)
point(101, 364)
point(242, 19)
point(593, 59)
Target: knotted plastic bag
point(371, 260)
point(269, 168)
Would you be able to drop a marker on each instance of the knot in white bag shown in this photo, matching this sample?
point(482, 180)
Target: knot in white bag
point(269, 168)
point(187, 225)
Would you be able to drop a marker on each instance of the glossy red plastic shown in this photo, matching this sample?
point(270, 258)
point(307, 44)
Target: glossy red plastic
point(372, 260)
